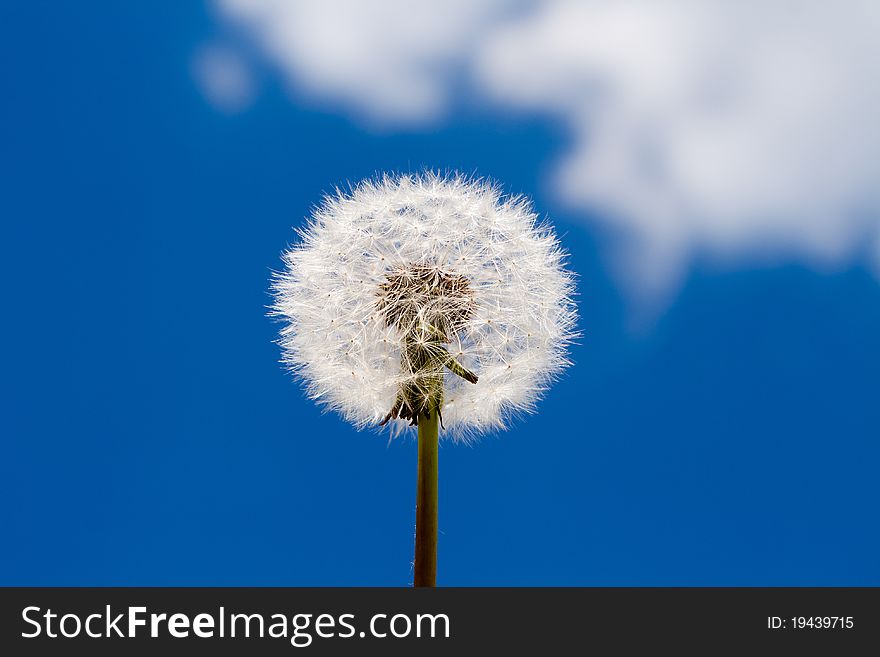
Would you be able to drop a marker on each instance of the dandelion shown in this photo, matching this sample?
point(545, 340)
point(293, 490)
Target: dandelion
point(421, 302)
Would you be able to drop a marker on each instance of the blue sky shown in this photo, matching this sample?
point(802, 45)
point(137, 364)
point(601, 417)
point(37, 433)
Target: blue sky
point(150, 436)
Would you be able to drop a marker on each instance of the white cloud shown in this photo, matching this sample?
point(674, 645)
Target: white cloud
point(386, 60)
point(715, 127)
point(728, 129)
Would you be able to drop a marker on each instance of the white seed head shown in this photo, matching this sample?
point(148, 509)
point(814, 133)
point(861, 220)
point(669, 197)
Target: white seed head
point(412, 290)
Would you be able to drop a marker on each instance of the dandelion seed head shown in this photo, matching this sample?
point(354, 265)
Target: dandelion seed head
point(391, 280)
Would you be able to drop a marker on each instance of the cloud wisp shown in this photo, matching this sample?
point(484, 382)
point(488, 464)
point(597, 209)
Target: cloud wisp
point(224, 78)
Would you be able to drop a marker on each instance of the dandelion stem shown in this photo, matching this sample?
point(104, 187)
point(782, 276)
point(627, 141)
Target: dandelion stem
point(426, 501)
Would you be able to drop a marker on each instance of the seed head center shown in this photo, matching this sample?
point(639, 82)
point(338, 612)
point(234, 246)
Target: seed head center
point(425, 302)
point(427, 305)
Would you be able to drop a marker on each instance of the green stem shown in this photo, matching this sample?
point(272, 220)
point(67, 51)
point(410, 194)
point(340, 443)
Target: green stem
point(456, 368)
point(425, 569)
